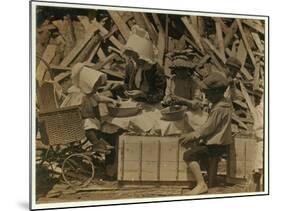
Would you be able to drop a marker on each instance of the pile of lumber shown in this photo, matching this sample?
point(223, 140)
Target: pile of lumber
point(65, 37)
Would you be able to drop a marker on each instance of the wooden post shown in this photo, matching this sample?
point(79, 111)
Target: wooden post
point(219, 37)
point(193, 32)
point(122, 26)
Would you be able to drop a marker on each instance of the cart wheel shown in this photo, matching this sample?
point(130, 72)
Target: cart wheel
point(78, 170)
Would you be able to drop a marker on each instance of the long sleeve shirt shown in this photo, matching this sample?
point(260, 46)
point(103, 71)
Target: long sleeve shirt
point(217, 128)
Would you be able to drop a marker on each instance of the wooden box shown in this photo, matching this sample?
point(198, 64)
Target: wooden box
point(153, 159)
point(241, 161)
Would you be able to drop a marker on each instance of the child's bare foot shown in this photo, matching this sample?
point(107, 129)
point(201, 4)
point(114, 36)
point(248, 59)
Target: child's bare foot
point(199, 189)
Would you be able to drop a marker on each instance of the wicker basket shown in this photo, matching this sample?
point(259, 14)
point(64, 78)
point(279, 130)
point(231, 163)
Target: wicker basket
point(61, 126)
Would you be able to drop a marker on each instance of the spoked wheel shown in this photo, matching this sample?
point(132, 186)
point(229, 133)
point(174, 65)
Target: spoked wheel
point(78, 170)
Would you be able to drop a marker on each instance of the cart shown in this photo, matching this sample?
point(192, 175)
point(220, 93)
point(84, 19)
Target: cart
point(62, 132)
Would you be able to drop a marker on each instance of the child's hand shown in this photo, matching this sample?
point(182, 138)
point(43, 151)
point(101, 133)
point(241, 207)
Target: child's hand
point(188, 137)
point(115, 103)
point(135, 93)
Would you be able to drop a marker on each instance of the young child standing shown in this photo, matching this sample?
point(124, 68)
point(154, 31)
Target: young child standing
point(212, 138)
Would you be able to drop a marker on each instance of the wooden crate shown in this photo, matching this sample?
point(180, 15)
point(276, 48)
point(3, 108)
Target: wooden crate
point(151, 159)
point(241, 161)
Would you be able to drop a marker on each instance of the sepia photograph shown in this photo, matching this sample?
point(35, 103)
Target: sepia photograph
point(133, 105)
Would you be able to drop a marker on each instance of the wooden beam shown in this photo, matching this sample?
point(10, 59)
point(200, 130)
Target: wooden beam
point(229, 35)
point(126, 16)
point(139, 20)
point(224, 27)
point(194, 22)
point(201, 28)
point(258, 41)
point(161, 39)
point(47, 57)
point(77, 49)
point(150, 29)
point(248, 100)
point(241, 56)
point(256, 81)
point(86, 23)
point(166, 32)
point(122, 26)
point(240, 123)
point(105, 61)
point(104, 32)
point(65, 28)
point(220, 37)
point(246, 73)
point(212, 48)
point(259, 28)
point(247, 46)
point(193, 32)
point(86, 51)
point(94, 52)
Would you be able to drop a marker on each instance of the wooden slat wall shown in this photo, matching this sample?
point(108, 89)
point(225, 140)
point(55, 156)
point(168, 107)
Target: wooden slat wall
point(151, 159)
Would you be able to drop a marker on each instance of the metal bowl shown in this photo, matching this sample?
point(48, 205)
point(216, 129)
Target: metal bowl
point(173, 113)
point(123, 111)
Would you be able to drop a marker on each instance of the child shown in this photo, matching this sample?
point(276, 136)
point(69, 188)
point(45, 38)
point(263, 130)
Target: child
point(215, 133)
point(181, 87)
point(83, 93)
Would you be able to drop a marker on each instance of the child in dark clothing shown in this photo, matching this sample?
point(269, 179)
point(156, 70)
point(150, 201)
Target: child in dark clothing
point(214, 135)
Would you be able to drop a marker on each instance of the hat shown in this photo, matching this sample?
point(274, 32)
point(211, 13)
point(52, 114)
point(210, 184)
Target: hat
point(234, 62)
point(214, 80)
point(86, 78)
point(182, 62)
point(140, 43)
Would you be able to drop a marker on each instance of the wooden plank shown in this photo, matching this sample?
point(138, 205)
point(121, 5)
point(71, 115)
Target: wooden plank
point(150, 29)
point(149, 159)
point(240, 103)
point(256, 81)
point(248, 99)
point(250, 39)
point(94, 52)
point(254, 25)
point(258, 42)
point(212, 48)
point(229, 35)
point(237, 158)
point(241, 53)
point(237, 120)
point(166, 33)
point(224, 27)
point(201, 27)
point(86, 51)
point(161, 39)
point(247, 46)
point(104, 32)
point(122, 26)
point(193, 32)
point(241, 56)
point(126, 16)
point(66, 29)
point(235, 46)
point(189, 41)
point(132, 159)
point(86, 23)
point(77, 49)
point(139, 20)
point(220, 37)
point(194, 22)
point(79, 30)
point(106, 60)
point(48, 55)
